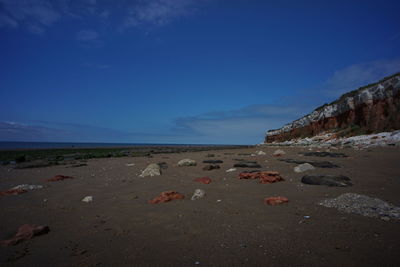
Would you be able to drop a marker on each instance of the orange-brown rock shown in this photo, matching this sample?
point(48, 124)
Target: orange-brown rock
point(264, 177)
point(203, 180)
point(59, 178)
point(25, 232)
point(12, 192)
point(166, 196)
point(275, 200)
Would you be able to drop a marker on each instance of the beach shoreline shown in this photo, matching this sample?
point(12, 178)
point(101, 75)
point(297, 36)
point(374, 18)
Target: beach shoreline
point(230, 226)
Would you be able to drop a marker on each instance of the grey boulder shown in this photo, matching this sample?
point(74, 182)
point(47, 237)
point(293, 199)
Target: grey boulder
point(329, 180)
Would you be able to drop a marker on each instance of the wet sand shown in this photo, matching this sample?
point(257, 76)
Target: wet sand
point(231, 226)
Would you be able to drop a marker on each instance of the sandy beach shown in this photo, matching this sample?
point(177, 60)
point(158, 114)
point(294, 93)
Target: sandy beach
point(230, 226)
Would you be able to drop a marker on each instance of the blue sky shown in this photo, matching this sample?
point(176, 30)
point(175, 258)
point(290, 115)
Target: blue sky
point(183, 71)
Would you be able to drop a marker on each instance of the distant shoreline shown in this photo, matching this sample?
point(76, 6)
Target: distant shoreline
point(48, 156)
point(14, 145)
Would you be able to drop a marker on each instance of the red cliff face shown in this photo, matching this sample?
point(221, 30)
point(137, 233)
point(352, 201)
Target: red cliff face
point(371, 109)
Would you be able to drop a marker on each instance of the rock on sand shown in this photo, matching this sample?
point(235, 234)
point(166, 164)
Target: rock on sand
point(187, 162)
point(303, 167)
point(363, 205)
point(279, 153)
point(329, 180)
point(198, 193)
point(151, 170)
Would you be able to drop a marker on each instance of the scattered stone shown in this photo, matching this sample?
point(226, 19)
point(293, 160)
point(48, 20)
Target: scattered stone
point(59, 178)
point(278, 153)
point(363, 205)
point(78, 165)
point(12, 192)
point(27, 187)
point(273, 201)
point(265, 177)
point(248, 164)
point(198, 193)
point(260, 153)
point(203, 180)
point(329, 180)
point(34, 164)
point(152, 170)
point(187, 162)
point(213, 161)
point(166, 196)
point(87, 199)
point(324, 154)
point(163, 165)
point(231, 170)
point(25, 232)
point(319, 164)
point(303, 167)
point(211, 167)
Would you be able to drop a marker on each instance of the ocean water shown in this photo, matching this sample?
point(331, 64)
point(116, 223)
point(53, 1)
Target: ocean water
point(49, 145)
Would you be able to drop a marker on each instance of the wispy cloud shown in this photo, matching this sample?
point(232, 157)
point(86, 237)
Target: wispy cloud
point(8, 21)
point(45, 131)
point(140, 13)
point(12, 131)
point(357, 75)
point(38, 15)
point(154, 13)
point(87, 35)
point(41, 13)
point(246, 125)
point(96, 65)
point(89, 38)
point(249, 124)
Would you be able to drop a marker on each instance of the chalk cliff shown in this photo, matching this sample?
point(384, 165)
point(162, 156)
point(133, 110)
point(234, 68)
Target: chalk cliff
point(369, 109)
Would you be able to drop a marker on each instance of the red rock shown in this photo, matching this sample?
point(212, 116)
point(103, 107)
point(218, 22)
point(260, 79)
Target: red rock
point(275, 200)
point(25, 232)
point(12, 192)
point(270, 177)
point(203, 180)
point(59, 178)
point(166, 196)
point(249, 175)
point(265, 177)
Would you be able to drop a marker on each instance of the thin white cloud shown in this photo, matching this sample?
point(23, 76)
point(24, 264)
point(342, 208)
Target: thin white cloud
point(37, 15)
point(158, 12)
point(104, 14)
point(39, 11)
point(96, 65)
point(87, 35)
point(36, 29)
point(7, 21)
point(45, 131)
point(242, 126)
point(357, 75)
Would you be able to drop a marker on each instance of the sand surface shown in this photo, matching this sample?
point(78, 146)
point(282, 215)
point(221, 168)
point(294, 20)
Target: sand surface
point(231, 226)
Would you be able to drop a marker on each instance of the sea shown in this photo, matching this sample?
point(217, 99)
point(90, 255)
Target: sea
point(51, 145)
